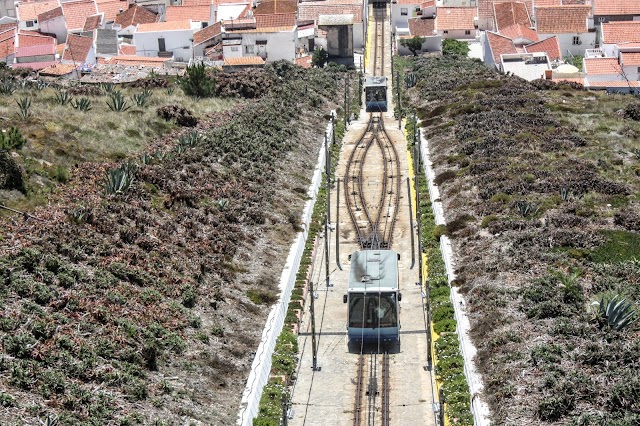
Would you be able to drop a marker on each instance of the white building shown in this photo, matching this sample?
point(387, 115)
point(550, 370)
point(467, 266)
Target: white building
point(571, 24)
point(166, 39)
point(401, 12)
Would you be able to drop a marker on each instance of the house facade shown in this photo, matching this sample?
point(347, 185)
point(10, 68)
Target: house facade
point(165, 39)
point(571, 24)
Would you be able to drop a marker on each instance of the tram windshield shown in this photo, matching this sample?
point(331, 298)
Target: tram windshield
point(375, 94)
point(372, 310)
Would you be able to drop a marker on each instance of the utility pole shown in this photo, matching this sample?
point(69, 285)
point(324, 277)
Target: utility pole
point(413, 244)
point(285, 419)
point(328, 212)
point(338, 224)
point(399, 103)
point(312, 314)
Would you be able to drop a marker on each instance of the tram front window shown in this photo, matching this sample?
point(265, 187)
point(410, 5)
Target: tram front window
point(375, 94)
point(372, 310)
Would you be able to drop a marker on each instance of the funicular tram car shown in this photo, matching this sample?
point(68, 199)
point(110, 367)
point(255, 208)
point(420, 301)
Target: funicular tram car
point(375, 91)
point(372, 297)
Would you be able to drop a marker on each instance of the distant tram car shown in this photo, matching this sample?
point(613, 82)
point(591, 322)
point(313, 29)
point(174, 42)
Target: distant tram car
point(373, 296)
point(375, 91)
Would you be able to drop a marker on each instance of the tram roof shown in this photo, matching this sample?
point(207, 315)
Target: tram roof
point(375, 81)
point(373, 270)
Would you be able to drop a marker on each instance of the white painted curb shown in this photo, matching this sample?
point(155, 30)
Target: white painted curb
point(479, 407)
point(261, 366)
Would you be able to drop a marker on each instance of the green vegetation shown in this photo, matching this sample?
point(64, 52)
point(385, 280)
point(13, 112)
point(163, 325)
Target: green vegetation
point(547, 179)
point(319, 57)
point(413, 44)
point(198, 82)
point(452, 46)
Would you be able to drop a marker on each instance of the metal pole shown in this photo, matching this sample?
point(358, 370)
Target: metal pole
point(285, 420)
point(429, 337)
point(399, 102)
point(312, 314)
point(345, 101)
point(419, 230)
point(442, 401)
point(337, 224)
point(328, 212)
point(413, 244)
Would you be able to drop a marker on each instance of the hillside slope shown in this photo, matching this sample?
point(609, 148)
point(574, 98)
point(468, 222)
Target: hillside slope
point(541, 185)
point(145, 307)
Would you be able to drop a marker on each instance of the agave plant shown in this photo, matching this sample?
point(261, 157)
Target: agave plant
point(83, 104)
point(565, 193)
point(170, 90)
point(24, 105)
point(147, 159)
point(78, 215)
point(117, 102)
point(190, 140)
point(410, 80)
point(526, 208)
point(7, 87)
point(614, 310)
point(118, 180)
point(41, 84)
point(50, 420)
point(142, 99)
point(108, 87)
point(636, 153)
point(62, 97)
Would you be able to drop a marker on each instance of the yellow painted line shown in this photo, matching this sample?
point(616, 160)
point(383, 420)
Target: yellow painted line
point(425, 269)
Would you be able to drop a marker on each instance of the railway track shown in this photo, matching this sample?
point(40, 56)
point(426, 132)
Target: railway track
point(379, 15)
point(371, 406)
point(374, 230)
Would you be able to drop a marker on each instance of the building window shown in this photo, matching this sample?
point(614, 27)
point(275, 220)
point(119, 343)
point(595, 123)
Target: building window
point(404, 11)
point(234, 48)
point(467, 32)
point(445, 32)
point(30, 23)
point(638, 70)
point(576, 40)
point(248, 49)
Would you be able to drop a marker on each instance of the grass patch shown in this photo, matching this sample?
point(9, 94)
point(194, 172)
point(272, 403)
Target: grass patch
point(619, 247)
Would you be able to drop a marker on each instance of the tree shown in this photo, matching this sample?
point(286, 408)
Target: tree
point(320, 57)
point(413, 44)
point(198, 82)
point(454, 47)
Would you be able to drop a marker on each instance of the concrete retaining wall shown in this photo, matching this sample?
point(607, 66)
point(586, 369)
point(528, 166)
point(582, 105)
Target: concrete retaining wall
point(261, 366)
point(479, 407)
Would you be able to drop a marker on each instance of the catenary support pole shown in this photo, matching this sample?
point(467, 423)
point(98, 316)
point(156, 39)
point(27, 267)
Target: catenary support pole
point(413, 244)
point(338, 224)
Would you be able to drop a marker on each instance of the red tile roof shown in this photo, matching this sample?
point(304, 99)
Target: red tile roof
point(500, 45)
point(149, 61)
point(7, 43)
point(127, 49)
point(621, 32)
point(42, 49)
point(275, 20)
point(550, 46)
point(136, 15)
point(111, 8)
point(77, 48)
point(76, 13)
point(29, 11)
point(244, 60)
point(92, 23)
point(276, 6)
point(164, 26)
point(519, 31)
point(50, 14)
point(207, 33)
point(196, 2)
point(422, 27)
point(182, 13)
point(58, 69)
point(310, 11)
point(539, 3)
point(27, 39)
point(630, 58)
point(485, 7)
point(616, 7)
point(428, 3)
point(617, 83)
point(600, 66)
point(5, 27)
point(415, 2)
point(33, 65)
point(304, 61)
point(455, 18)
point(562, 19)
point(512, 13)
